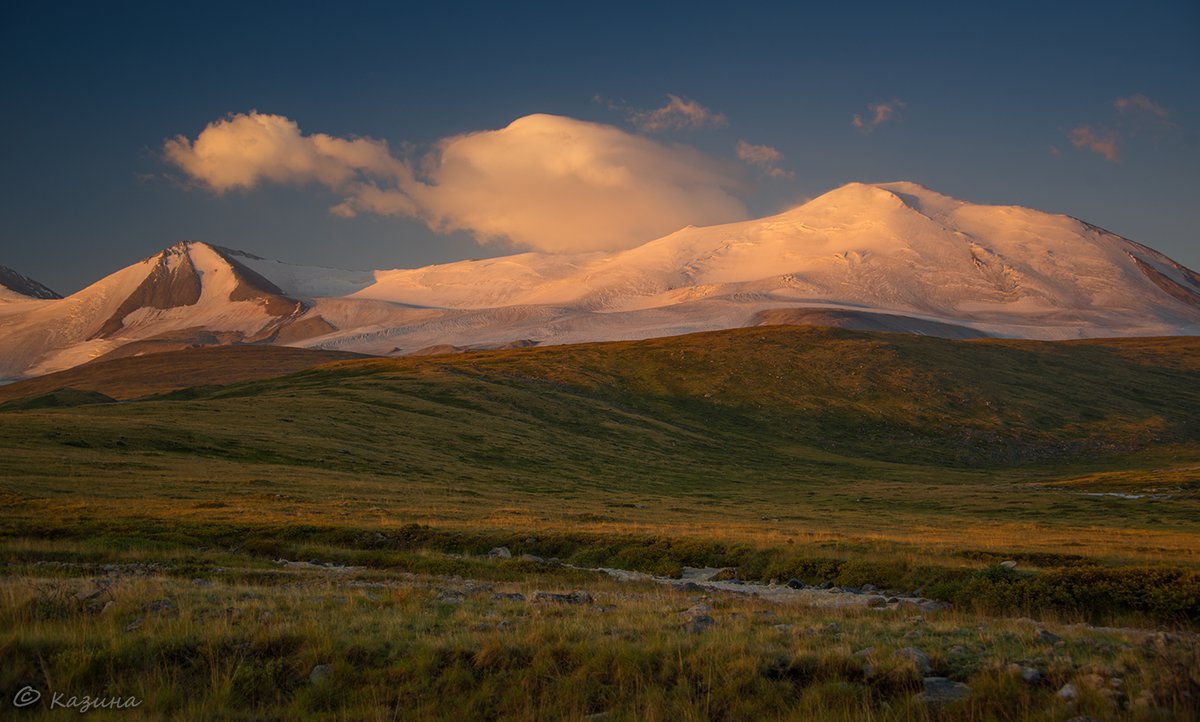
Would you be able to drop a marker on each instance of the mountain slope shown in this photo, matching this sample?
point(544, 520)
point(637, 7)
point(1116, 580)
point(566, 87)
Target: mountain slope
point(764, 403)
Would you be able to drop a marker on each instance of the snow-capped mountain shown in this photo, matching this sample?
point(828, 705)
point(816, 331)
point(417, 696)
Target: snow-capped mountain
point(891, 256)
point(15, 287)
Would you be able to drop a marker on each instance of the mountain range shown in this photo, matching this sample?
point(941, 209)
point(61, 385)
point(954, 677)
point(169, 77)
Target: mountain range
point(890, 256)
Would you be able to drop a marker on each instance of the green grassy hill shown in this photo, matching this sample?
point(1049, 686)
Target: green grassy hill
point(832, 444)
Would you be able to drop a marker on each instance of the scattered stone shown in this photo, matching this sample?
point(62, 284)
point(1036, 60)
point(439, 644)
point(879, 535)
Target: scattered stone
point(1047, 637)
point(699, 623)
point(698, 610)
point(316, 562)
point(919, 659)
point(163, 606)
point(504, 624)
point(1009, 564)
point(865, 652)
point(1068, 693)
point(825, 585)
point(940, 690)
point(449, 596)
point(499, 553)
point(320, 673)
point(796, 584)
point(690, 587)
point(832, 628)
point(201, 583)
point(958, 649)
point(575, 597)
point(785, 628)
point(1029, 675)
point(532, 558)
point(929, 605)
point(509, 596)
point(893, 600)
point(868, 588)
point(876, 601)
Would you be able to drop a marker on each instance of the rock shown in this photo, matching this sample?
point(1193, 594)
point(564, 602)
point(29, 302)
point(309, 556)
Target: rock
point(504, 624)
point(1029, 675)
point(1047, 637)
point(940, 690)
point(699, 623)
point(796, 584)
point(134, 625)
point(532, 558)
point(784, 628)
point(1009, 564)
point(108, 606)
point(957, 649)
point(449, 596)
point(499, 553)
point(320, 673)
point(509, 596)
point(825, 585)
point(575, 597)
point(865, 652)
point(929, 605)
point(919, 659)
point(868, 588)
point(201, 583)
point(698, 610)
point(876, 601)
point(316, 562)
point(893, 600)
point(162, 606)
point(1068, 693)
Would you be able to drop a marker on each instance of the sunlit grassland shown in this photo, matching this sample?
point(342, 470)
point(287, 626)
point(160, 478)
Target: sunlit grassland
point(778, 452)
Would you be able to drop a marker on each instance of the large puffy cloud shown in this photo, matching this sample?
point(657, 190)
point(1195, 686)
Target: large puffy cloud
point(544, 182)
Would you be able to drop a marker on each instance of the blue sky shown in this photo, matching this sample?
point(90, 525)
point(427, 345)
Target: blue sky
point(1000, 103)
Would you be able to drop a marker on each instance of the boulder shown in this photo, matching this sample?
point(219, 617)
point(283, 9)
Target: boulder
point(919, 659)
point(940, 690)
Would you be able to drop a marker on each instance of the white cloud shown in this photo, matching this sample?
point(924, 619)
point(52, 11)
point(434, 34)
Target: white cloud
point(1098, 140)
point(765, 157)
point(885, 111)
point(678, 114)
point(543, 182)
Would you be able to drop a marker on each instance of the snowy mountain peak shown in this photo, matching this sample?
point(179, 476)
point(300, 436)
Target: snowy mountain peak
point(892, 255)
point(17, 287)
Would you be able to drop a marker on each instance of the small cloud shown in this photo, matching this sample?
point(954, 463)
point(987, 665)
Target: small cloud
point(678, 114)
point(1138, 103)
point(1054, 151)
point(885, 111)
point(765, 157)
point(1098, 140)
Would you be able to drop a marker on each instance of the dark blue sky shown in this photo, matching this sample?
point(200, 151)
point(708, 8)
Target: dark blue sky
point(990, 92)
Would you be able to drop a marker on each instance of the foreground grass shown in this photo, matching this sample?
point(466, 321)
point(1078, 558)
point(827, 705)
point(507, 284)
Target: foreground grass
point(243, 643)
